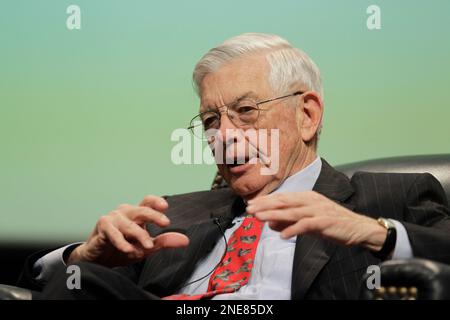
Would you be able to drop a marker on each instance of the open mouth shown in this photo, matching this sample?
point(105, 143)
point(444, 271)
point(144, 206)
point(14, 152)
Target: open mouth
point(234, 162)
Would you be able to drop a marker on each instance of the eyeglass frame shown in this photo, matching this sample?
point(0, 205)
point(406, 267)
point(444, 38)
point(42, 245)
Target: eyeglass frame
point(191, 127)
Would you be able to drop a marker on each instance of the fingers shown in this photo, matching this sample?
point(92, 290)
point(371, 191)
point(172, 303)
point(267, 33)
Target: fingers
point(313, 225)
point(289, 213)
point(279, 226)
point(120, 229)
point(171, 240)
point(134, 241)
point(131, 230)
point(121, 237)
point(282, 219)
point(284, 215)
point(296, 229)
point(142, 215)
point(114, 235)
point(281, 200)
point(125, 227)
point(155, 202)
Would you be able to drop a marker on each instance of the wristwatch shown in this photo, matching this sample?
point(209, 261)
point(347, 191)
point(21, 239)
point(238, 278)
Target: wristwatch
point(391, 239)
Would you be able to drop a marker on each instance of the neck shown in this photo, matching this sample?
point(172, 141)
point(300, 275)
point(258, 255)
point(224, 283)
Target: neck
point(303, 161)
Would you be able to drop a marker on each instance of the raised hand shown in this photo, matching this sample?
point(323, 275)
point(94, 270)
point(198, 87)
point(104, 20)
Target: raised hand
point(120, 237)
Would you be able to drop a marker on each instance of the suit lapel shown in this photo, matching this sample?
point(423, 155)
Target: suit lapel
point(167, 270)
point(312, 253)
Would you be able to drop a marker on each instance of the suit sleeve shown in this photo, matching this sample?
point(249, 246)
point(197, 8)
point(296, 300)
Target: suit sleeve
point(28, 276)
point(427, 219)
point(35, 278)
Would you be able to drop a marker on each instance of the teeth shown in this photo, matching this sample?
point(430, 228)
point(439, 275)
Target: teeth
point(236, 161)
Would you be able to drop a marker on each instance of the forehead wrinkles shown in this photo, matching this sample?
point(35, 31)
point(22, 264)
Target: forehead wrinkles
point(246, 74)
point(249, 95)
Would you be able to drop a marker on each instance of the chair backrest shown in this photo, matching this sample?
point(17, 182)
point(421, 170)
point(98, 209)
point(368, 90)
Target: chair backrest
point(438, 165)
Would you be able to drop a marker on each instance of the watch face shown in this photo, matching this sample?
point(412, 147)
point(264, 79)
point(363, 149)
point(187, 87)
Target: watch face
point(382, 222)
point(388, 224)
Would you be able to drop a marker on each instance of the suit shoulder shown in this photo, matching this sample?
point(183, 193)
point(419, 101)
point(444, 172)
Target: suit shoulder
point(391, 181)
point(386, 175)
point(394, 176)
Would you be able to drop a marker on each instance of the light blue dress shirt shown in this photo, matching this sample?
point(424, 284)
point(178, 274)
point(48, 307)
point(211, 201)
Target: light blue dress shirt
point(272, 270)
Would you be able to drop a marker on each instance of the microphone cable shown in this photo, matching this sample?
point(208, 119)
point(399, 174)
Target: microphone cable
point(216, 221)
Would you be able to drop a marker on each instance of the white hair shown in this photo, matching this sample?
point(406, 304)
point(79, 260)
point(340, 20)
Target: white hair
point(289, 66)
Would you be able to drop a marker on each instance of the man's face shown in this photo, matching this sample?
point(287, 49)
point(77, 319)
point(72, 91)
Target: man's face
point(248, 76)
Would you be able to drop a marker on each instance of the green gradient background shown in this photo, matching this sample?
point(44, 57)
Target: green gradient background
point(86, 116)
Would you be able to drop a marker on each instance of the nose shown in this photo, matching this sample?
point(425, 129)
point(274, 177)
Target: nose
point(226, 124)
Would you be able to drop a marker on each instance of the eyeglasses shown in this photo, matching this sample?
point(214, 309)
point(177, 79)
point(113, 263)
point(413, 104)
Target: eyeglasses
point(241, 113)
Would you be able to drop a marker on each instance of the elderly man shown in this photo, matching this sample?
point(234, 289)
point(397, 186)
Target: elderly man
point(305, 231)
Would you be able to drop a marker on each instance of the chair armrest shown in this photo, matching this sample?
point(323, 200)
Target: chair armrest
point(14, 293)
point(410, 279)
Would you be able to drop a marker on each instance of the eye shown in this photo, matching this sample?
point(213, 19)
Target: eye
point(210, 121)
point(245, 109)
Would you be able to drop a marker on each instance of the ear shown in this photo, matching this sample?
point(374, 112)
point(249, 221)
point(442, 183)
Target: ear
point(312, 108)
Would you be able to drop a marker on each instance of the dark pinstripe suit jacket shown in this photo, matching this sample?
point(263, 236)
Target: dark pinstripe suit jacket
point(321, 269)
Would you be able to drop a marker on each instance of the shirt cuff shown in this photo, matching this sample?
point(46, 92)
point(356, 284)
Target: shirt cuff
point(403, 249)
point(44, 267)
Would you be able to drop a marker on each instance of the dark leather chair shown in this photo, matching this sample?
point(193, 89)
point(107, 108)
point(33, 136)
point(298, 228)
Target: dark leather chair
point(400, 279)
point(14, 293)
point(413, 279)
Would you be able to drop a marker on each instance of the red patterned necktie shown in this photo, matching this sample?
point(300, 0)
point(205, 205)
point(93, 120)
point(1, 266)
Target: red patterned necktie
point(236, 266)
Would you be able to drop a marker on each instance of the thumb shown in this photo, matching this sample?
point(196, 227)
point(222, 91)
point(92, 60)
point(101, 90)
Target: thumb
point(171, 240)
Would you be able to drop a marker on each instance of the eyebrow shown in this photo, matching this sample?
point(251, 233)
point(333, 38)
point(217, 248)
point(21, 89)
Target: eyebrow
point(248, 94)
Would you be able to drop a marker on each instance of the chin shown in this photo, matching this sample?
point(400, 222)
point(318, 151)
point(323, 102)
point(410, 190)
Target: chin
point(247, 184)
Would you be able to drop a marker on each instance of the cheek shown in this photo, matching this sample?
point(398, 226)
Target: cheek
point(288, 137)
point(289, 140)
